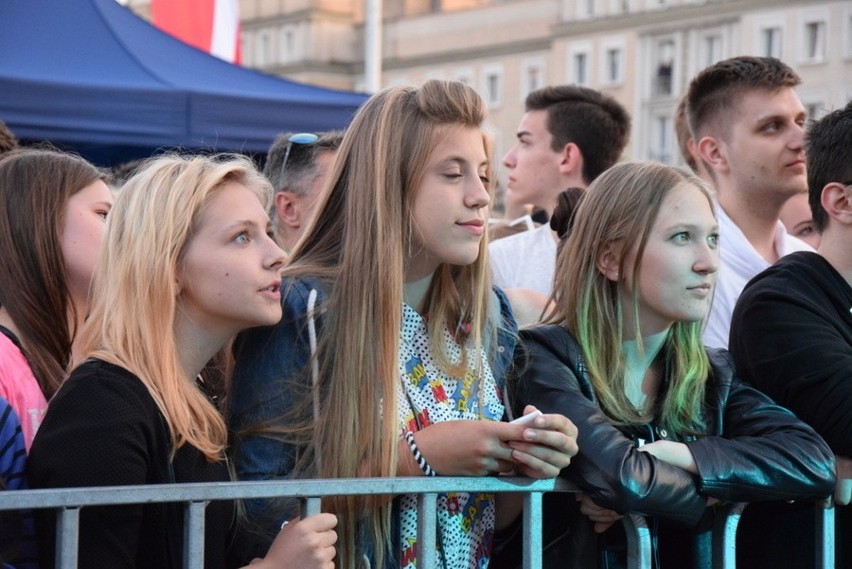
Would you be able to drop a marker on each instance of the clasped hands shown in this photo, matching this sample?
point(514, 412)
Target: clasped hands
point(483, 448)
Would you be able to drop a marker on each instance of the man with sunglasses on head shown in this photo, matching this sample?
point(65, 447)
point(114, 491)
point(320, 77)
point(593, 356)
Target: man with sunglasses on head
point(297, 165)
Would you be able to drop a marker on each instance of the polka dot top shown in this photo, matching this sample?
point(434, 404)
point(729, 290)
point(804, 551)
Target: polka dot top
point(427, 395)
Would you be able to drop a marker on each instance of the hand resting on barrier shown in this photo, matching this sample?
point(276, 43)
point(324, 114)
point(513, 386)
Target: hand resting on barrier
point(302, 544)
point(601, 517)
point(843, 489)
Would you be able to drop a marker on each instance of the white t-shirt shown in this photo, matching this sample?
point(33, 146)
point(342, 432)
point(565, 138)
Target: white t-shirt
point(739, 262)
point(525, 260)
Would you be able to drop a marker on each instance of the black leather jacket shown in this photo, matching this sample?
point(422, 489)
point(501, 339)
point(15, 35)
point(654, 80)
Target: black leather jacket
point(753, 450)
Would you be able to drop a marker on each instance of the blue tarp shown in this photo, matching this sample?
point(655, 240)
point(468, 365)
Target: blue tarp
point(92, 76)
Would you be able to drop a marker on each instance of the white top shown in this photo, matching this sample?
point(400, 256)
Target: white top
point(739, 262)
point(525, 260)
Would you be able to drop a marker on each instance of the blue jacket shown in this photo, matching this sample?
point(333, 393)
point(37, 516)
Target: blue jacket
point(268, 360)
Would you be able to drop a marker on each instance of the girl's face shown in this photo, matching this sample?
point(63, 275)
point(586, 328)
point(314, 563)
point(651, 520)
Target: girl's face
point(231, 275)
point(799, 221)
point(84, 221)
point(678, 267)
point(450, 209)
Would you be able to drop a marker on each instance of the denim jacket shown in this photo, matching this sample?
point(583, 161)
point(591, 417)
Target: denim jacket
point(267, 361)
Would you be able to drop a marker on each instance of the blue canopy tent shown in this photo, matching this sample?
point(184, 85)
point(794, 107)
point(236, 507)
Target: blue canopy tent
point(92, 76)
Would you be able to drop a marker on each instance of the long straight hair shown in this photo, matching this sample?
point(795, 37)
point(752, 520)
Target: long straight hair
point(619, 210)
point(35, 186)
point(358, 246)
point(155, 217)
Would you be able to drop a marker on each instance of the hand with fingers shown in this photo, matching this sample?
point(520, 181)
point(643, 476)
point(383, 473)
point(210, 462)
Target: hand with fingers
point(302, 544)
point(461, 448)
point(601, 517)
point(843, 488)
point(544, 446)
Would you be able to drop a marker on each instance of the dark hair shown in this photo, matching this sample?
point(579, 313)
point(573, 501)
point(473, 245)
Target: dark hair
point(35, 185)
point(567, 202)
point(122, 172)
point(828, 143)
point(598, 124)
point(716, 89)
point(7, 139)
point(300, 170)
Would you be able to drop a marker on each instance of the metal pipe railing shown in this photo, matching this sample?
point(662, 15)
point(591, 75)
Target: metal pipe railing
point(196, 496)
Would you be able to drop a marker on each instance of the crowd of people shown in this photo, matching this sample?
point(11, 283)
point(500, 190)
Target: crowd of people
point(345, 313)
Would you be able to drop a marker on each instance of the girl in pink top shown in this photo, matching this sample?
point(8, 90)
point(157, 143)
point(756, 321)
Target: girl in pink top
point(53, 206)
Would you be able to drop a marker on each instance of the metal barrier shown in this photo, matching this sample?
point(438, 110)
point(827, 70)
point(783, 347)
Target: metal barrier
point(68, 502)
point(825, 513)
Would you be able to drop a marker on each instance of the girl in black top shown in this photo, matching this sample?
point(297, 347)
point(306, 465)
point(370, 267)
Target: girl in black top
point(187, 263)
point(665, 428)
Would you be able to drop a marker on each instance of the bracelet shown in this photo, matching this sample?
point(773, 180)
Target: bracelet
point(418, 457)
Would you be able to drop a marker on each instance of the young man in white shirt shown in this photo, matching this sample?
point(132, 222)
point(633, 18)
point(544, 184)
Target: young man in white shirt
point(748, 124)
point(567, 137)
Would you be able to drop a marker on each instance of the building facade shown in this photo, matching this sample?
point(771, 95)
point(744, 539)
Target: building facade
point(642, 52)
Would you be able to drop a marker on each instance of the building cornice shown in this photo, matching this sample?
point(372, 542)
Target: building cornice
point(485, 52)
point(673, 16)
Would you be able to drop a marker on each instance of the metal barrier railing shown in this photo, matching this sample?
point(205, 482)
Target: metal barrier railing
point(825, 513)
point(68, 502)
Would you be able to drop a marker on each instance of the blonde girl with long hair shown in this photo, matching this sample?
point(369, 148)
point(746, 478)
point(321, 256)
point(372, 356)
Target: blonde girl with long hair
point(187, 263)
point(665, 427)
point(393, 344)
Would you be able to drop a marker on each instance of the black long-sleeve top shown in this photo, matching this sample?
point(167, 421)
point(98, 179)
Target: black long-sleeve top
point(103, 428)
point(791, 337)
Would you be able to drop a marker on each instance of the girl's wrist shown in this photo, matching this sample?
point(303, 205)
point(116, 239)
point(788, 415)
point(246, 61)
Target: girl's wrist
point(418, 457)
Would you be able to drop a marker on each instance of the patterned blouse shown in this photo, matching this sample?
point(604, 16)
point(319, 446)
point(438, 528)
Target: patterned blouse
point(427, 395)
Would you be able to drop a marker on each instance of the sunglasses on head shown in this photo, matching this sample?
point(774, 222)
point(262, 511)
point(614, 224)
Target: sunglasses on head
point(303, 138)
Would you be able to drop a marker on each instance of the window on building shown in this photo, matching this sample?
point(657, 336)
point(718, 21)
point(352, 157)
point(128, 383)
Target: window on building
point(288, 45)
point(534, 77)
point(815, 110)
point(848, 33)
point(619, 6)
point(662, 138)
point(815, 41)
point(712, 49)
point(263, 49)
point(581, 68)
point(464, 75)
point(614, 65)
point(771, 40)
point(663, 74)
point(493, 86)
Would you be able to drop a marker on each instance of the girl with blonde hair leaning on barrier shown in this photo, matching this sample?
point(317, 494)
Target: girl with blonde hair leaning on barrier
point(665, 427)
point(187, 263)
point(411, 342)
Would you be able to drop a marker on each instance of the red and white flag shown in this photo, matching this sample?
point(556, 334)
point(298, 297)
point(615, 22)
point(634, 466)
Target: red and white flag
point(210, 25)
